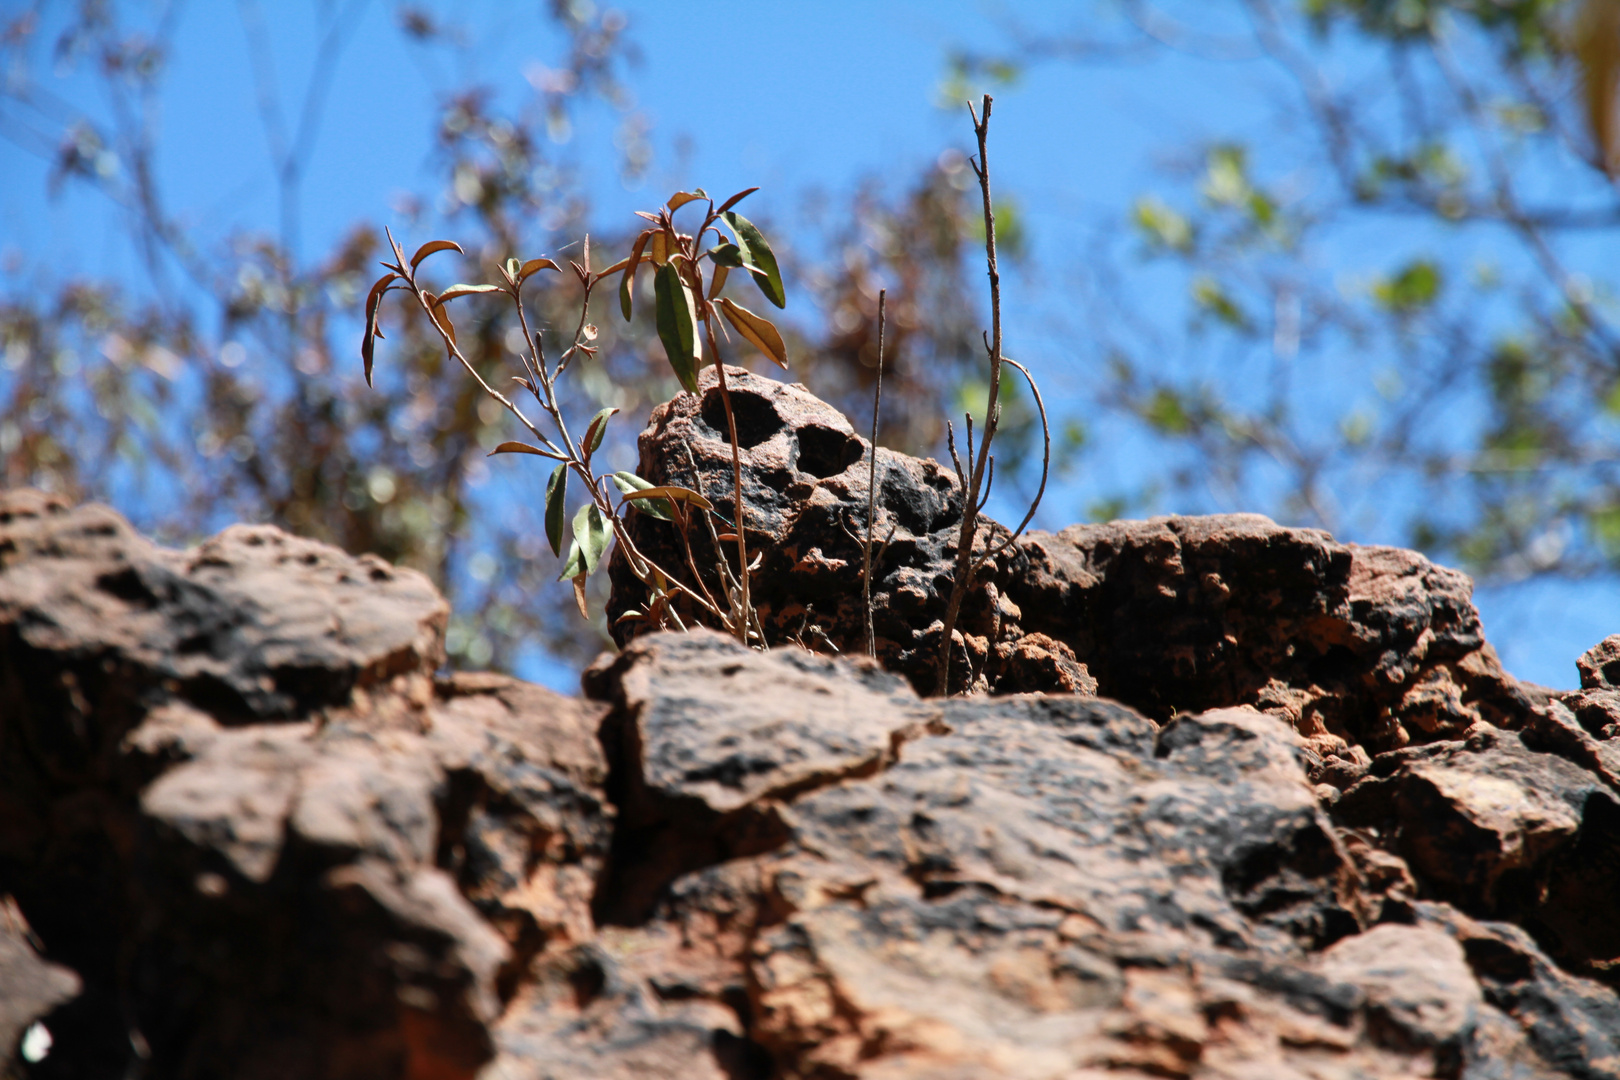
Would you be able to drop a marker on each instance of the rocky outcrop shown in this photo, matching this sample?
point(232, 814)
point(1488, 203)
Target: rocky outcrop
point(805, 488)
point(249, 828)
point(1355, 646)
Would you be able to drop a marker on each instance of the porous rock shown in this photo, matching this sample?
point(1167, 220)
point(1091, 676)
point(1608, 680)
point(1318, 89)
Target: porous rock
point(733, 864)
point(806, 476)
point(1356, 647)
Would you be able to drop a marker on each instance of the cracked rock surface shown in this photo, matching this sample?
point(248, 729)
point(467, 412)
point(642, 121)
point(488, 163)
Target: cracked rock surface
point(247, 827)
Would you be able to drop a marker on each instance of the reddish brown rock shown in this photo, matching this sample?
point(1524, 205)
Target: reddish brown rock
point(805, 487)
point(733, 864)
point(1367, 646)
point(1599, 666)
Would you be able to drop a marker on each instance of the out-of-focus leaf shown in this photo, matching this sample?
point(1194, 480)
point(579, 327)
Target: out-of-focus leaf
point(556, 507)
point(728, 255)
point(659, 250)
point(737, 198)
point(467, 290)
point(1161, 225)
point(521, 448)
point(594, 433)
point(761, 332)
point(758, 257)
point(677, 324)
point(1413, 288)
point(1595, 41)
point(628, 282)
point(1165, 412)
point(433, 246)
point(579, 596)
point(591, 534)
point(373, 303)
point(1226, 177)
point(534, 266)
point(1212, 297)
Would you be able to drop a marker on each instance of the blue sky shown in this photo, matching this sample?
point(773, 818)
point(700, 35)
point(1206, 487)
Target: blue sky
point(787, 96)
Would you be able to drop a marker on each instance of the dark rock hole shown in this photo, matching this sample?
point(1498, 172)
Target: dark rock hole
point(588, 980)
point(825, 451)
point(757, 419)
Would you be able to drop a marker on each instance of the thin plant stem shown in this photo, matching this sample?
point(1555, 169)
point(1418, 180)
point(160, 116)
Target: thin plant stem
point(736, 481)
point(871, 484)
point(973, 484)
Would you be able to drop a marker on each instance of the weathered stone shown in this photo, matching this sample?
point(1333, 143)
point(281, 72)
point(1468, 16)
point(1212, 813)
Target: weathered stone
point(1419, 989)
point(1599, 666)
point(805, 487)
point(1351, 645)
point(735, 864)
point(241, 791)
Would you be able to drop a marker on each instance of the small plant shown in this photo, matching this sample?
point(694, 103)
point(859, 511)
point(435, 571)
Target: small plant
point(691, 315)
point(688, 308)
point(976, 483)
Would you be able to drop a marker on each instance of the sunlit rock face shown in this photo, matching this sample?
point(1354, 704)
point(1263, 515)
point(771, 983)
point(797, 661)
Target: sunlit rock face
point(1266, 805)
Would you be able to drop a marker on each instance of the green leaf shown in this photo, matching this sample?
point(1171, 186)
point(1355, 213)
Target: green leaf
point(628, 482)
point(677, 324)
point(1163, 226)
point(758, 257)
point(556, 506)
point(728, 255)
point(670, 491)
point(1212, 297)
point(761, 332)
point(591, 534)
point(433, 246)
point(1414, 288)
point(594, 433)
point(1165, 411)
point(574, 565)
point(627, 283)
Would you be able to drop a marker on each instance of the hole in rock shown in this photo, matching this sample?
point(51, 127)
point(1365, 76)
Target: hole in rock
point(757, 419)
point(588, 980)
point(825, 451)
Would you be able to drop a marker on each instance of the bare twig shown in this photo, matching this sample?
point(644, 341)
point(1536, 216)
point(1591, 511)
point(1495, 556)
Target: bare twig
point(1046, 467)
point(871, 484)
point(974, 486)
